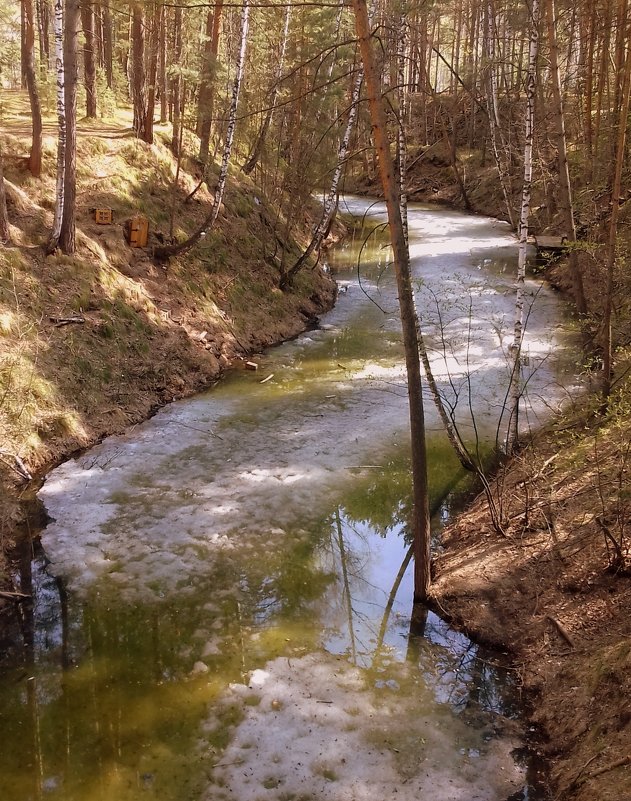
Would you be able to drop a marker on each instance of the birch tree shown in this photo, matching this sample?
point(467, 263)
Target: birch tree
point(409, 320)
point(516, 346)
point(58, 27)
point(70, 78)
point(330, 202)
point(259, 142)
point(164, 253)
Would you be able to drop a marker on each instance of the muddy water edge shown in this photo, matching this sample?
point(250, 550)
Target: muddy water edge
point(221, 601)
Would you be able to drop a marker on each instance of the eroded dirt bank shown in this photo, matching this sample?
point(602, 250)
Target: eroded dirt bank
point(550, 589)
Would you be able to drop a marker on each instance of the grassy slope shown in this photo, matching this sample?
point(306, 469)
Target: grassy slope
point(150, 334)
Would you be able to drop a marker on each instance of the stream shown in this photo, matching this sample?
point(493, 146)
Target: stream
point(221, 605)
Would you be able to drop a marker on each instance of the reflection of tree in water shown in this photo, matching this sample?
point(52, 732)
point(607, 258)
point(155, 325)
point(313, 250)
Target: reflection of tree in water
point(457, 671)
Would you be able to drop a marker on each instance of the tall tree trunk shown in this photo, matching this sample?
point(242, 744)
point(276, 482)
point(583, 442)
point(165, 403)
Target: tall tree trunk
point(623, 77)
point(71, 77)
point(139, 82)
point(43, 24)
point(173, 250)
point(176, 83)
point(5, 231)
point(495, 130)
point(108, 49)
point(89, 63)
point(58, 25)
point(330, 202)
point(162, 68)
point(207, 89)
point(565, 187)
point(515, 350)
point(409, 320)
point(255, 153)
point(28, 39)
point(154, 34)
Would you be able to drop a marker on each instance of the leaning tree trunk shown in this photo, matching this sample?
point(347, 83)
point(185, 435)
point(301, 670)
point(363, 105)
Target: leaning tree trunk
point(165, 253)
point(58, 26)
point(28, 40)
point(71, 23)
point(5, 231)
point(515, 349)
point(255, 154)
point(565, 186)
point(409, 320)
point(89, 63)
point(330, 203)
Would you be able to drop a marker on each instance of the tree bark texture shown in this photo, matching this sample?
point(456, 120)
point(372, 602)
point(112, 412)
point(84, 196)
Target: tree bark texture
point(174, 250)
point(409, 320)
point(58, 27)
point(89, 62)
point(28, 39)
point(67, 241)
point(139, 82)
point(516, 347)
point(206, 91)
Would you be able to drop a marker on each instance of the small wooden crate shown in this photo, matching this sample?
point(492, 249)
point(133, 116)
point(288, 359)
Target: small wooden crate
point(103, 216)
point(138, 231)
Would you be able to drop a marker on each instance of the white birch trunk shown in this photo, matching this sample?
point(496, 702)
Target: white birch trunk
point(330, 201)
point(58, 27)
point(232, 119)
point(515, 350)
point(166, 252)
point(260, 139)
point(401, 137)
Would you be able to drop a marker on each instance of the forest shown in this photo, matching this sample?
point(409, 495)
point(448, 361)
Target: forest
point(173, 185)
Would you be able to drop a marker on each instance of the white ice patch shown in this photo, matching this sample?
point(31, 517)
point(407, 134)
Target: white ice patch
point(318, 731)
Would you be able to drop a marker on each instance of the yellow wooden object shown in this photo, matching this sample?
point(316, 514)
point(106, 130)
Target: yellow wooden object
point(103, 216)
point(138, 231)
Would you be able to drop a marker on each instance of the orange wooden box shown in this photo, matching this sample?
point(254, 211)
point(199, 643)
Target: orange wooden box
point(138, 231)
point(103, 216)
